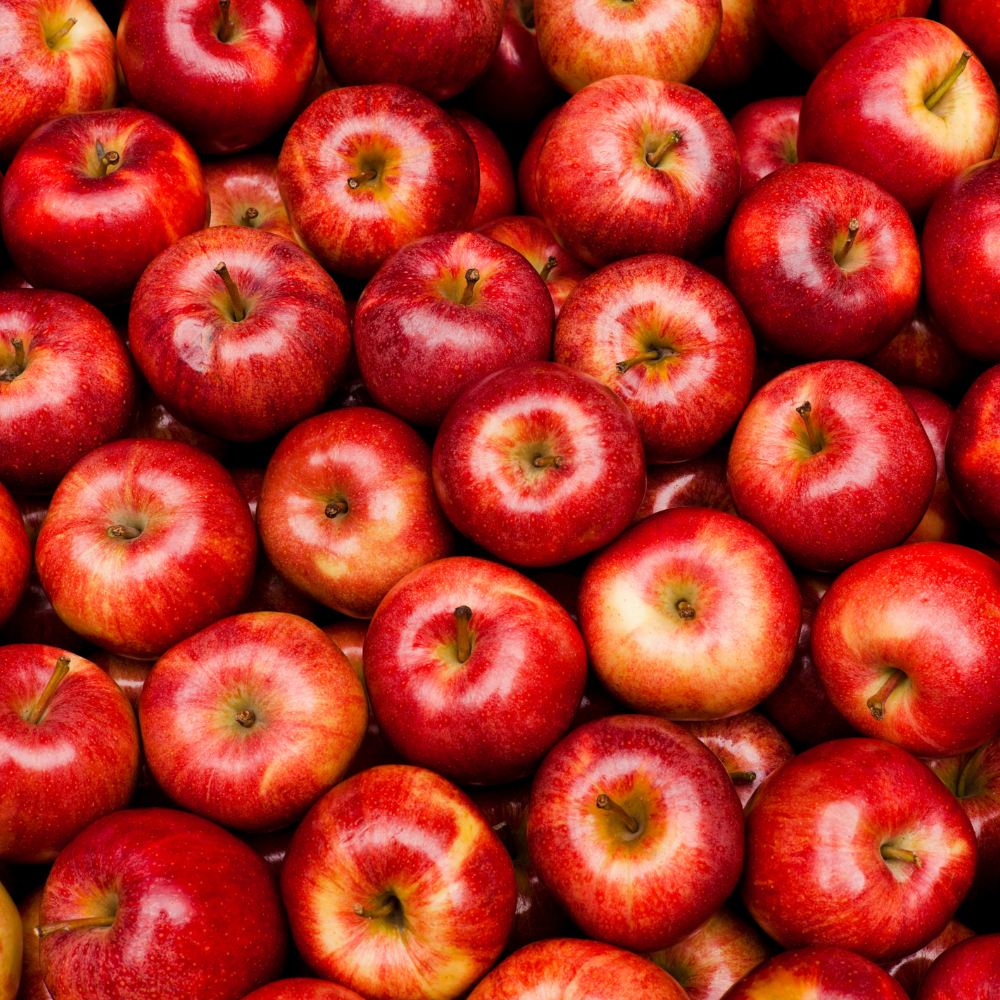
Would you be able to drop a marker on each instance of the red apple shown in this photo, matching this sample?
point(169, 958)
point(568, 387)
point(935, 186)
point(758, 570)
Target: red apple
point(903, 104)
point(66, 386)
point(303, 989)
point(633, 165)
point(539, 464)
point(740, 49)
point(130, 675)
point(691, 614)
point(699, 482)
point(636, 828)
point(347, 508)
point(911, 970)
point(366, 170)
point(58, 58)
point(145, 543)
point(396, 886)
point(831, 462)
point(671, 341)
point(473, 671)
point(441, 314)
point(855, 844)
point(244, 191)
point(153, 904)
point(153, 420)
point(767, 134)
point(91, 199)
point(497, 186)
point(11, 947)
point(32, 985)
point(976, 22)
point(15, 549)
point(969, 970)
point(226, 75)
point(526, 188)
point(69, 750)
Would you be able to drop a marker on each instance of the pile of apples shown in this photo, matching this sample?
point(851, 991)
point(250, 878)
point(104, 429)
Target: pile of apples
point(404, 598)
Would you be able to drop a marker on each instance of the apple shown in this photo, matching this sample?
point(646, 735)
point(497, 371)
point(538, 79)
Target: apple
point(636, 828)
point(632, 165)
point(58, 58)
point(153, 420)
point(699, 482)
point(905, 104)
point(539, 464)
point(303, 989)
point(767, 135)
point(586, 40)
point(142, 904)
point(668, 338)
point(56, 404)
point(691, 614)
point(10, 947)
point(497, 185)
point(32, 985)
point(69, 750)
point(911, 970)
point(966, 971)
point(15, 566)
point(367, 170)
point(145, 543)
point(976, 22)
point(855, 844)
point(739, 51)
point(565, 967)
point(438, 49)
point(130, 675)
point(441, 314)
point(347, 508)
point(272, 847)
point(831, 463)
point(473, 671)
point(396, 887)
point(527, 189)
point(91, 199)
point(226, 75)
point(240, 333)
point(244, 191)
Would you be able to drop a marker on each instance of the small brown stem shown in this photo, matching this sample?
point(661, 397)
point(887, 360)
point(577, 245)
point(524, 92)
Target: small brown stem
point(246, 718)
point(743, 777)
point(545, 461)
point(550, 266)
point(805, 412)
point(58, 676)
point(685, 610)
point(876, 703)
point(462, 618)
point(852, 231)
point(248, 216)
point(58, 36)
point(365, 175)
point(900, 854)
point(604, 802)
point(239, 309)
point(123, 531)
point(108, 159)
point(74, 924)
point(949, 80)
point(471, 277)
point(388, 907)
point(653, 354)
point(335, 507)
point(9, 374)
point(653, 159)
point(227, 24)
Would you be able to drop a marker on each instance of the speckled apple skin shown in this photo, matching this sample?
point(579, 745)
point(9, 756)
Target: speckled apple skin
point(248, 180)
point(767, 134)
point(814, 874)
point(409, 832)
point(968, 971)
point(497, 185)
point(15, 549)
point(971, 453)
point(740, 50)
point(976, 19)
point(911, 970)
point(527, 190)
point(699, 482)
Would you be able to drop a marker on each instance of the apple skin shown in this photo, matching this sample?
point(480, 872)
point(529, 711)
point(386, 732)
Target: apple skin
point(15, 566)
point(420, 346)
point(176, 932)
point(303, 989)
point(32, 985)
point(581, 42)
point(75, 391)
point(715, 956)
point(39, 81)
point(781, 263)
point(865, 489)
point(865, 110)
point(11, 943)
point(427, 175)
point(153, 420)
point(120, 222)
point(191, 564)
point(380, 468)
point(604, 201)
point(740, 49)
point(237, 184)
point(527, 189)
point(767, 134)
point(490, 489)
point(873, 622)
point(961, 273)
point(699, 482)
point(407, 835)
point(492, 718)
point(976, 22)
point(438, 49)
point(814, 873)
point(228, 94)
point(130, 675)
point(566, 967)
point(78, 763)
point(969, 970)
point(248, 379)
point(497, 184)
point(911, 970)
point(724, 660)
point(684, 402)
point(682, 861)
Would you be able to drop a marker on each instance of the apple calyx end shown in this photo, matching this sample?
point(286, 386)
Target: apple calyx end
point(685, 610)
point(246, 718)
point(58, 35)
point(335, 508)
point(653, 159)
point(18, 366)
point(248, 216)
point(74, 924)
point(463, 615)
point(550, 266)
point(852, 231)
point(607, 803)
point(390, 908)
point(743, 777)
point(235, 299)
point(956, 72)
point(471, 277)
point(57, 677)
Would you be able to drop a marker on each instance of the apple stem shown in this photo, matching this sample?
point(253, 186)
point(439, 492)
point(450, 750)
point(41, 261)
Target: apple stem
point(852, 231)
point(108, 159)
point(462, 616)
point(246, 718)
point(949, 80)
point(685, 610)
point(58, 675)
point(248, 216)
point(544, 461)
point(963, 776)
point(74, 924)
point(335, 507)
point(384, 910)
point(9, 374)
point(59, 35)
point(653, 159)
point(805, 412)
point(227, 25)
point(471, 277)
point(876, 703)
point(550, 266)
point(239, 309)
point(900, 854)
point(123, 531)
point(743, 777)
point(365, 175)
point(604, 802)
point(654, 354)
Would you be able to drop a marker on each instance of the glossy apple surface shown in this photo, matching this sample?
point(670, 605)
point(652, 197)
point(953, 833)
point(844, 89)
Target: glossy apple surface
point(15, 566)
point(911, 970)
point(11, 944)
point(527, 189)
point(969, 970)
point(691, 614)
point(497, 185)
point(855, 844)
point(244, 191)
point(975, 21)
point(303, 989)
point(130, 675)
point(740, 49)
point(153, 420)
point(767, 134)
point(699, 482)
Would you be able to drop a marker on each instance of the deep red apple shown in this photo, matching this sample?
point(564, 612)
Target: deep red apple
point(244, 191)
point(303, 989)
point(153, 420)
point(976, 22)
point(441, 314)
point(130, 675)
point(396, 886)
point(740, 49)
point(497, 185)
point(539, 464)
point(767, 134)
point(226, 75)
point(527, 189)
point(671, 341)
point(91, 199)
point(15, 556)
point(911, 970)
point(855, 844)
point(145, 543)
point(700, 482)
point(970, 970)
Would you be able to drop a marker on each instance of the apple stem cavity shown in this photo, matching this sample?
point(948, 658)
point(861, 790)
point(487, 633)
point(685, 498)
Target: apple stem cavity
point(227, 24)
point(852, 231)
point(949, 80)
point(59, 35)
point(248, 216)
point(550, 266)
point(125, 531)
point(365, 175)
point(471, 277)
point(604, 802)
point(805, 412)
point(547, 461)
point(246, 718)
point(388, 908)
point(653, 158)
point(462, 617)
point(74, 924)
point(654, 354)
point(743, 777)
point(9, 374)
point(239, 309)
point(105, 159)
point(876, 703)
point(899, 854)
point(335, 508)
point(686, 610)
point(58, 676)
